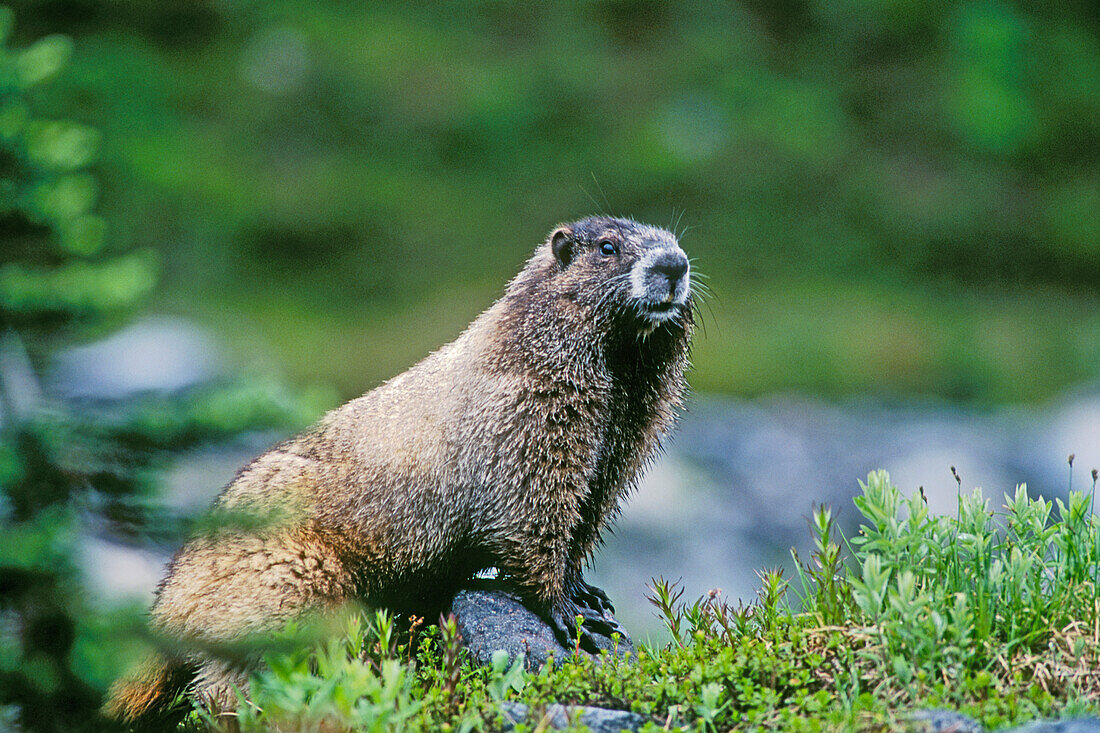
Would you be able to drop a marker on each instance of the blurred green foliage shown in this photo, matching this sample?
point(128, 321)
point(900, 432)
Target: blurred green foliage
point(67, 471)
point(335, 165)
point(48, 224)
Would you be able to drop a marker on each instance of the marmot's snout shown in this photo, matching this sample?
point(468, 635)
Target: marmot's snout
point(661, 281)
point(672, 266)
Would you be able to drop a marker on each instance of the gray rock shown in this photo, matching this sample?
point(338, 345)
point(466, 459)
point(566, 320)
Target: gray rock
point(945, 721)
point(490, 617)
point(598, 720)
point(1081, 725)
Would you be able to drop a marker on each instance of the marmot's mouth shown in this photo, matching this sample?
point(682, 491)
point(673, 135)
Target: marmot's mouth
point(660, 311)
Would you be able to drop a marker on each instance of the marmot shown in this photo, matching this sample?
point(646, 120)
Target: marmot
point(509, 447)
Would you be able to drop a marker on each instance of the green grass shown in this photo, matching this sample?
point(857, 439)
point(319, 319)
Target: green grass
point(993, 613)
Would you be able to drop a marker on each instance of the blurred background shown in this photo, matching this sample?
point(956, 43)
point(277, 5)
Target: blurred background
point(220, 217)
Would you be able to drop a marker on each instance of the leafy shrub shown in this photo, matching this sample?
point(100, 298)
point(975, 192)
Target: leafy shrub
point(946, 596)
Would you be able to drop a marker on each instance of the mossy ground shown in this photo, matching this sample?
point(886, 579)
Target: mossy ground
point(993, 614)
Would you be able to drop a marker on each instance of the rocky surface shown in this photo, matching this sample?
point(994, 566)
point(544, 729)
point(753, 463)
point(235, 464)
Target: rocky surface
point(491, 618)
point(949, 721)
point(603, 720)
point(944, 721)
point(556, 717)
point(1081, 725)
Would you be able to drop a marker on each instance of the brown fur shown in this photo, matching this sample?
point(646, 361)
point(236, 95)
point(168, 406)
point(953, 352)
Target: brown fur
point(509, 447)
point(145, 696)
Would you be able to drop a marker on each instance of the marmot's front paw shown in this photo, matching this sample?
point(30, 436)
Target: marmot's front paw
point(591, 597)
point(563, 620)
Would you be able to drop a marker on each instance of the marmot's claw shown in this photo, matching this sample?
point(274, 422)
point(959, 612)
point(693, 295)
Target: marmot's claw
point(615, 627)
point(599, 598)
point(563, 624)
point(592, 597)
point(596, 621)
point(563, 620)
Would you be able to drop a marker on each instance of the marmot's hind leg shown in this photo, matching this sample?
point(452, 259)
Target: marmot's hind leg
point(225, 595)
point(217, 685)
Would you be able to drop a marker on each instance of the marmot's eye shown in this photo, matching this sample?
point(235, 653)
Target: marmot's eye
point(608, 247)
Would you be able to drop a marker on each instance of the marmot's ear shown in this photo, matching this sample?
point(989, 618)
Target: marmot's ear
point(561, 242)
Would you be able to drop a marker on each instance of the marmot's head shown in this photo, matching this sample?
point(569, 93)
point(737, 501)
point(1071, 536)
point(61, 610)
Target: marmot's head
point(620, 267)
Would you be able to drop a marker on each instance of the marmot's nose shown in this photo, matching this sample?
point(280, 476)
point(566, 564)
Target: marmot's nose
point(672, 265)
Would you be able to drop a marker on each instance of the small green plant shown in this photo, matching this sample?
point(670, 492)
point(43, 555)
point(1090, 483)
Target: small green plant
point(344, 683)
point(823, 578)
point(450, 654)
point(669, 609)
point(505, 677)
point(708, 708)
point(947, 595)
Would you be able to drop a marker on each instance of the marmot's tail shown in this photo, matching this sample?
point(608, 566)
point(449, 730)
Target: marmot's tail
point(149, 697)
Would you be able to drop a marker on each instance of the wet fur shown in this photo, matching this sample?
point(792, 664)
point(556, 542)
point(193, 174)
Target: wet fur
point(509, 447)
